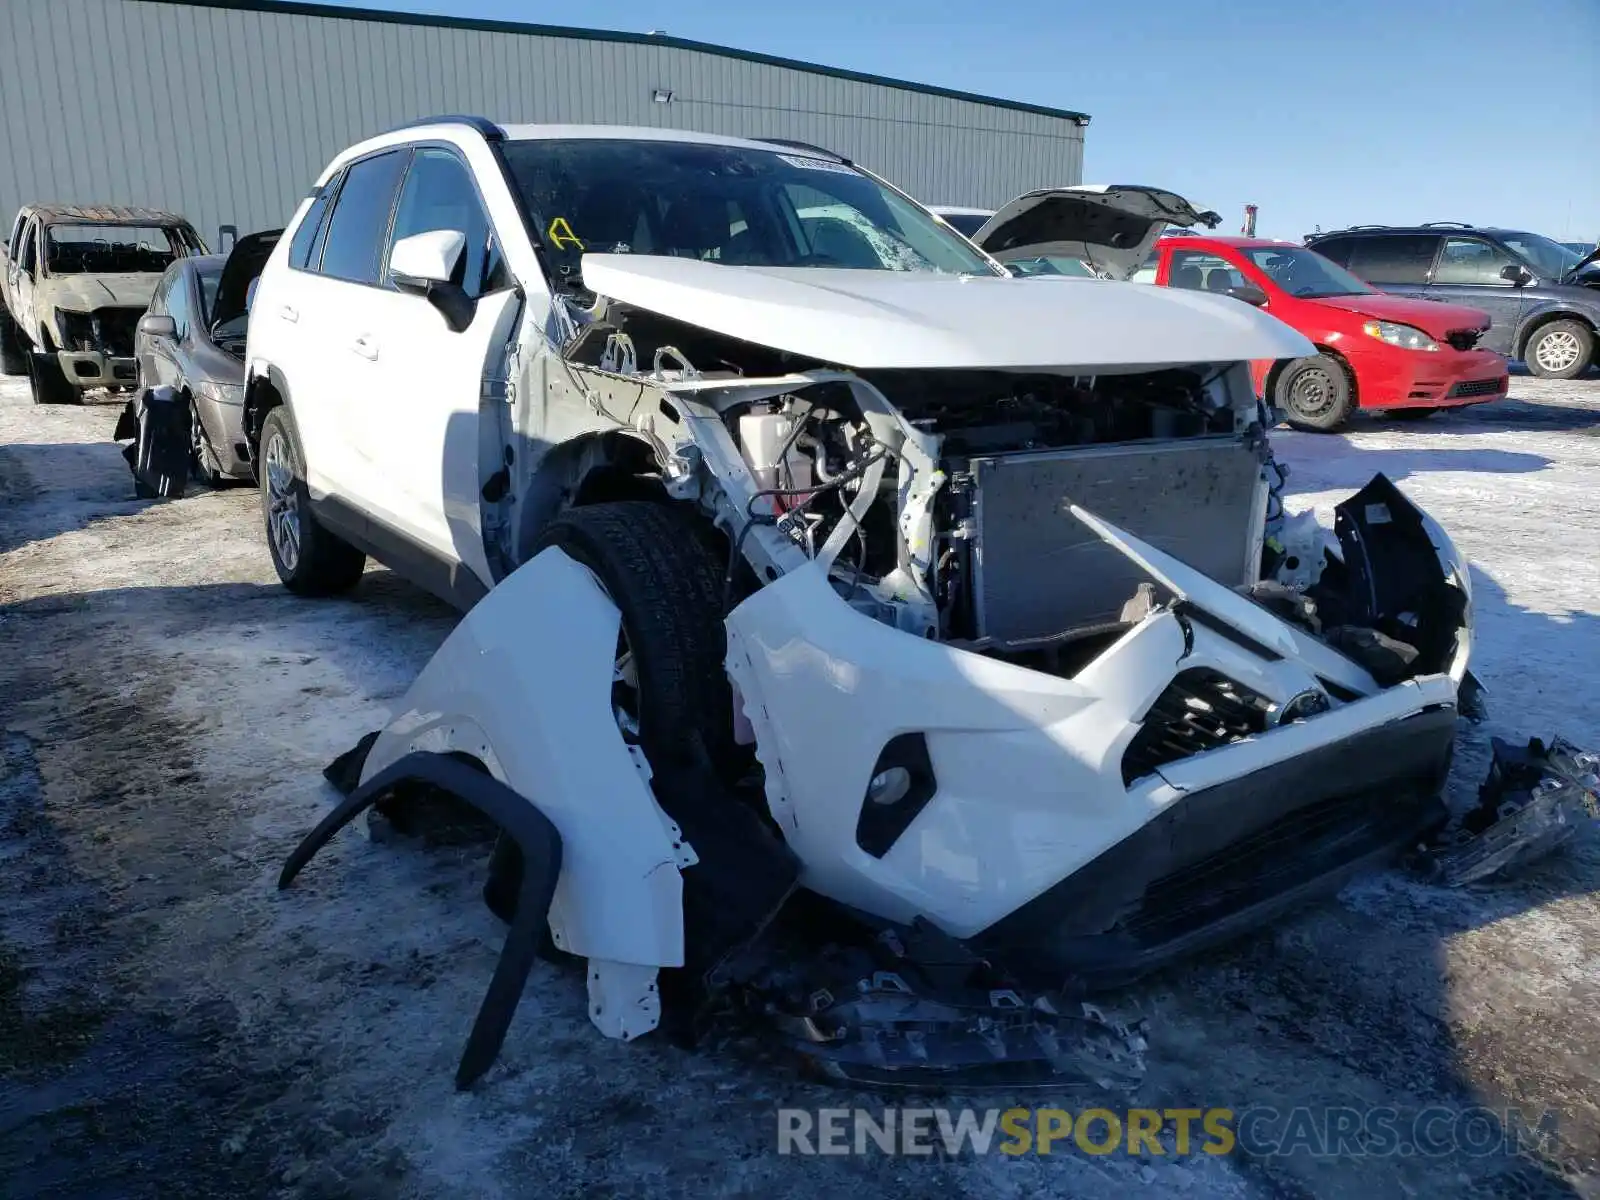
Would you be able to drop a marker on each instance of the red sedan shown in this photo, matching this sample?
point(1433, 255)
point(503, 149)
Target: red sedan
point(1377, 351)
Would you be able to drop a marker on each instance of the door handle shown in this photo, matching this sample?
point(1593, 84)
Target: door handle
point(366, 346)
point(289, 314)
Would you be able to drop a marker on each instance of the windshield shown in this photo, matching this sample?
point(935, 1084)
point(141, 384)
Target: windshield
point(1551, 259)
point(1305, 273)
point(724, 204)
point(110, 249)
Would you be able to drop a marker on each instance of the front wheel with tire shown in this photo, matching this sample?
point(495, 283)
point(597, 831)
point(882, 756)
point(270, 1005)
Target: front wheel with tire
point(1315, 393)
point(203, 466)
point(49, 383)
point(1560, 350)
point(309, 559)
point(13, 353)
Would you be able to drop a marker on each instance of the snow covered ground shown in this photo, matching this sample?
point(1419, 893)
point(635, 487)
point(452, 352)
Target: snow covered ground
point(172, 1025)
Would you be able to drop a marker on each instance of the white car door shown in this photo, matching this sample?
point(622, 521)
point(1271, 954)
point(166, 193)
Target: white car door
point(326, 313)
point(419, 412)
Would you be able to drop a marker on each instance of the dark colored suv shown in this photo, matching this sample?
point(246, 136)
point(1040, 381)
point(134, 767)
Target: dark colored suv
point(1544, 303)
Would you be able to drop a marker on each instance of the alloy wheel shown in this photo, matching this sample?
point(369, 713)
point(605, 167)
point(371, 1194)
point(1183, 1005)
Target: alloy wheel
point(283, 501)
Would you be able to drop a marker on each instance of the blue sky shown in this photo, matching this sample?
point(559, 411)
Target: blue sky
point(1330, 113)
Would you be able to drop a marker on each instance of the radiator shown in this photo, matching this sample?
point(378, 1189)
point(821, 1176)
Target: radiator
point(1039, 574)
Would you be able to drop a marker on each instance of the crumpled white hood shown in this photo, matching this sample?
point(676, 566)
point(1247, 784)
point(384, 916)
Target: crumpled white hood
point(897, 320)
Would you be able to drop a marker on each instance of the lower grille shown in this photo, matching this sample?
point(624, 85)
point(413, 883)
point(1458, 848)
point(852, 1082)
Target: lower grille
point(1200, 710)
point(1479, 387)
point(1255, 865)
point(1463, 339)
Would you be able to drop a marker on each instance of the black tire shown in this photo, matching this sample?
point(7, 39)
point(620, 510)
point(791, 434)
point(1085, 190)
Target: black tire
point(318, 563)
point(1315, 393)
point(666, 580)
point(1567, 347)
point(1413, 414)
point(13, 354)
point(48, 381)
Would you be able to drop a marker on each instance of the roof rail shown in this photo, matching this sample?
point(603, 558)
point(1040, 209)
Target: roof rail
point(491, 132)
point(806, 146)
point(1447, 225)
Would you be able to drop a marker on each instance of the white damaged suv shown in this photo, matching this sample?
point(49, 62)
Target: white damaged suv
point(770, 494)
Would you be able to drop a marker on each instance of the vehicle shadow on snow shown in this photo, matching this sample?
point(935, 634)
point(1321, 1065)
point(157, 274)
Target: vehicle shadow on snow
point(47, 489)
point(1450, 1021)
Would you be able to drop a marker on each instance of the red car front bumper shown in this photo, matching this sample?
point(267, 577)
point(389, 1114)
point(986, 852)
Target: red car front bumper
point(1442, 378)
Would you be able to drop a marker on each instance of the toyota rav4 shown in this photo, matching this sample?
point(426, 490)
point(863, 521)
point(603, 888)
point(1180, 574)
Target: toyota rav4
point(805, 545)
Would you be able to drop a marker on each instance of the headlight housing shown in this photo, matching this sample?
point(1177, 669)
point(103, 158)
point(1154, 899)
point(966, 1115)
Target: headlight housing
point(1405, 336)
point(75, 330)
point(220, 393)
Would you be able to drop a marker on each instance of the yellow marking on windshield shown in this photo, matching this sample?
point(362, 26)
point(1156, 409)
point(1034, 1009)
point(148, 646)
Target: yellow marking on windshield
point(561, 236)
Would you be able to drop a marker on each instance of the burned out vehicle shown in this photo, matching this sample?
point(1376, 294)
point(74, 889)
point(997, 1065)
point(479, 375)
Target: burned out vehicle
point(902, 643)
point(76, 280)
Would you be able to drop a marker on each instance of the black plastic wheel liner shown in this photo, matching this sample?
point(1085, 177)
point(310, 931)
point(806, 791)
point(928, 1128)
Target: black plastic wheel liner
point(540, 845)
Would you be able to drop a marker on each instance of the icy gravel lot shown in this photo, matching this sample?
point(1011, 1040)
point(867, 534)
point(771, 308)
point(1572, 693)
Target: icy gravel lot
point(170, 1025)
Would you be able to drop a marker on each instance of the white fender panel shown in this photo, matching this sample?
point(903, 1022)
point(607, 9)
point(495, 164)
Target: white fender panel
point(524, 684)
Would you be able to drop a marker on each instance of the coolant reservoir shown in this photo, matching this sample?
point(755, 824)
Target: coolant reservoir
point(761, 438)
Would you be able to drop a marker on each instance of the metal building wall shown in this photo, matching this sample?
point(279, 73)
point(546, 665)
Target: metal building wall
point(227, 114)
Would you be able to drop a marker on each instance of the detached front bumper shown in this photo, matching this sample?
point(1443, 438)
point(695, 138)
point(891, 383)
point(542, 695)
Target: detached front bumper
point(1038, 818)
point(91, 368)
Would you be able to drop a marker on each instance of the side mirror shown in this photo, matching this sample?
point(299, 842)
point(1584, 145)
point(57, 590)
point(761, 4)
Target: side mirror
point(152, 325)
point(1250, 294)
point(424, 263)
point(1516, 274)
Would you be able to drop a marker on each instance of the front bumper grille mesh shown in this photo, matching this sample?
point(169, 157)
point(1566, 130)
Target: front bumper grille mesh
point(1479, 387)
point(1199, 710)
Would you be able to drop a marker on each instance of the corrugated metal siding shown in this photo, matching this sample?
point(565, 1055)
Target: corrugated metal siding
point(228, 115)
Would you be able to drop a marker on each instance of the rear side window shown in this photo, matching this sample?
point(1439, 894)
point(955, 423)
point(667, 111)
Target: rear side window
point(1335, 249)
point(28, 256)
point(359, 226)
point(1393, 258)
point(304, 248)
point(1201, 272)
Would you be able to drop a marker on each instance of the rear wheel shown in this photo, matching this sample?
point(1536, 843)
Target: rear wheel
point(48, 381)
point(1316, 393)
point(1560, 350)
point(13, 354)
point(309, 559)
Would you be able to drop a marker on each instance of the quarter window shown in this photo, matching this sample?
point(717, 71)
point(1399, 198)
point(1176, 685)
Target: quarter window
point(439, 194)
point(359, 226)
point(1470, 261)
point(304, 249)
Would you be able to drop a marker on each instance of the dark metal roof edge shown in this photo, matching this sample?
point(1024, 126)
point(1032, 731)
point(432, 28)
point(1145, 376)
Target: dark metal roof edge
point(440, 21)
